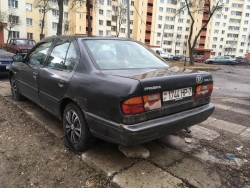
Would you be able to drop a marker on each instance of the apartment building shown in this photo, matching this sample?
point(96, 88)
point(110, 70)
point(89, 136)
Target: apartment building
point(229, 32)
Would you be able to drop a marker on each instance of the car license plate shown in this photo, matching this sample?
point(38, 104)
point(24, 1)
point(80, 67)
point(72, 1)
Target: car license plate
point(177, 94)
point(7, 67)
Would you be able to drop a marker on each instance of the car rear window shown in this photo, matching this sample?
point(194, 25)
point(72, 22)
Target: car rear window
point(118, 54)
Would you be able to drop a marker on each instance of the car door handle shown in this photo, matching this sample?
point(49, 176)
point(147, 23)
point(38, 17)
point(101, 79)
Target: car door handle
point(35, 75)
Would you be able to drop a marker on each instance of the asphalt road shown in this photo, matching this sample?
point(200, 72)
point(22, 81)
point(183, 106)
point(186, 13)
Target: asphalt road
point(232, 81)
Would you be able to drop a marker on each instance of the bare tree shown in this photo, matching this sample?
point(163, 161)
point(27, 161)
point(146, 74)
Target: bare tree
point(45, 6)
point(194, 8)
point(12, 21)
point(119, 13)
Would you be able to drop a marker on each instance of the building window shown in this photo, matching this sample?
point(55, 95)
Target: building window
point(55, 12)
point(169, 18)
point(40, 10)
point(214, 38)
point(108, 23)
point(180, 20)
point(54, 25)
point(169, 26)
point(177, 51)
point(241, 51)
point(220, 46)
point(217, 23)
point(66, 15)
point(113, 28)
point(218, 15)
point(108, 33)
point(221, 39)
point(225, 16)
point(188, 21)
point(242, 44)
point(213, 46)
point(41, 23)
point(244, 29)
point(100, 11)
point(28, 7)
point(237, 13)
point(131, 22)
point(247, 14)
point(66, 2)
point(160, 9)
point(13, 19)
point(223, 31)
point(187, 28)
point(131, 31)
point(158, 34)
point(131, 13)
point(124, 21)
point(158, 42)
point(186, 36)
point(224, 24)
point(29, 21)
point(13, 3)
point(246, 22)
point(132, 3)
point(122, 30)
point(100, 22)
point(109, 2)
point(159, 17)
point(101, 2)
point(14, 34)
point(171, 10)
point(162, 1)
point(159, 26)
point(30, 35)
point(108, 13)
point(179, 28)
point(80, 28)
point(178, 36)
point(100, 33)
point(216, 31)
point(178, 44)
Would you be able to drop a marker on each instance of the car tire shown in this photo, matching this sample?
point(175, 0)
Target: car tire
point(76, 130)
point(15, 95)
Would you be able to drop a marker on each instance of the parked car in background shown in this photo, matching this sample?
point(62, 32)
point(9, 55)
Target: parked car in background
point(178, 57)
point(199, 58)
point(5, 62)
point(20, 45)
point(227, 60)
point(241, 60)
point(162, 53)
point(128, 98)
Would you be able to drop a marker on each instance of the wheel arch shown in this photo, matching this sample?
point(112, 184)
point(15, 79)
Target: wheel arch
point(64, 102)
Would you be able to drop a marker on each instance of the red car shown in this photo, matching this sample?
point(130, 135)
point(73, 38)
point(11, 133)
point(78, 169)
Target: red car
point(200, 58)
point(20, 45)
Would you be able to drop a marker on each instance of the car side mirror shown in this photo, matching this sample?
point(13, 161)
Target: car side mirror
point(17, 58)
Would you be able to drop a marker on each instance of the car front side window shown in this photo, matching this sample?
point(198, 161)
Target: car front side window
point(37, 56)
point(57, 57)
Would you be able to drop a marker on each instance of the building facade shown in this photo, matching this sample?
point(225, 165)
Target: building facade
point(153, 22)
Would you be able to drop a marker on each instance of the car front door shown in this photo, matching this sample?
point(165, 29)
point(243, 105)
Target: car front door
point(56, 74)
point(218, 60)
point(28, 72)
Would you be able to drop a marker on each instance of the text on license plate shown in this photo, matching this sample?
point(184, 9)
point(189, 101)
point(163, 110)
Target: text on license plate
point(177, 94)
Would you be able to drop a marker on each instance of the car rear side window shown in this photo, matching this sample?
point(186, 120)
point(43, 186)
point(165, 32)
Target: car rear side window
point(37, 56)
point(119, 54)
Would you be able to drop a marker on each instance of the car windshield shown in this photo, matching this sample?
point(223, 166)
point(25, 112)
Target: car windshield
point(118, 54)
point(25, 42)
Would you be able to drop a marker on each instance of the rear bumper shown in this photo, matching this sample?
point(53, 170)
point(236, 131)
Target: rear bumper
point(145, 131)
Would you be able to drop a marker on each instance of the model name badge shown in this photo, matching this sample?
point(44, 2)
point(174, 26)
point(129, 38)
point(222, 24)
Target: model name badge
point(151, 88)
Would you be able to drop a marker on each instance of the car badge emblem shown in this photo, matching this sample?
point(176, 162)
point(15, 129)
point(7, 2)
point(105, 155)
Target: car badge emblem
point(199, 79)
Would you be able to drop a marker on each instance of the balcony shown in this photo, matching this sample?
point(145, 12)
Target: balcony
point(202, 41)
point(149, 18)
point(203, 33)
point(147, 36)
point(151, 1)
point(205, 18)
point(204, 24)
point(150, 9)
point(148, 27)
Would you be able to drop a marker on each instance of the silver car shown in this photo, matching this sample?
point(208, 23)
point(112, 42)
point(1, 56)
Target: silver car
point(222, 60)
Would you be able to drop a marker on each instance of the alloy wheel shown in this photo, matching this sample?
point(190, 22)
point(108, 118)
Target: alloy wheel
point(73, 126)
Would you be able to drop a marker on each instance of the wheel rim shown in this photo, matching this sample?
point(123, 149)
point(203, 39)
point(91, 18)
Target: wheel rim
point(13, 88)
point(73, 127)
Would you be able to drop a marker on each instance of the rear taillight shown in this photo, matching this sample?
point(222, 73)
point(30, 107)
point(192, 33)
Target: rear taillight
point(141, 104)
point(203, 91)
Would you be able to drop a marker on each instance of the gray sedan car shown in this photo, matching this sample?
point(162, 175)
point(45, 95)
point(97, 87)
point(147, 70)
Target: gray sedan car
point(222, 60)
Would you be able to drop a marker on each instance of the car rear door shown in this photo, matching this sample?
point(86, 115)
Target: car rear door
point(28, 72)
point(56, 74)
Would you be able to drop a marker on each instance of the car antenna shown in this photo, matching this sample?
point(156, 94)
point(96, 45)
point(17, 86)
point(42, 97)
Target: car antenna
point(184, 65)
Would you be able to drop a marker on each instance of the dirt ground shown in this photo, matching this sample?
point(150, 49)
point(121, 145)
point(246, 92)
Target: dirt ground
point(32, 157)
